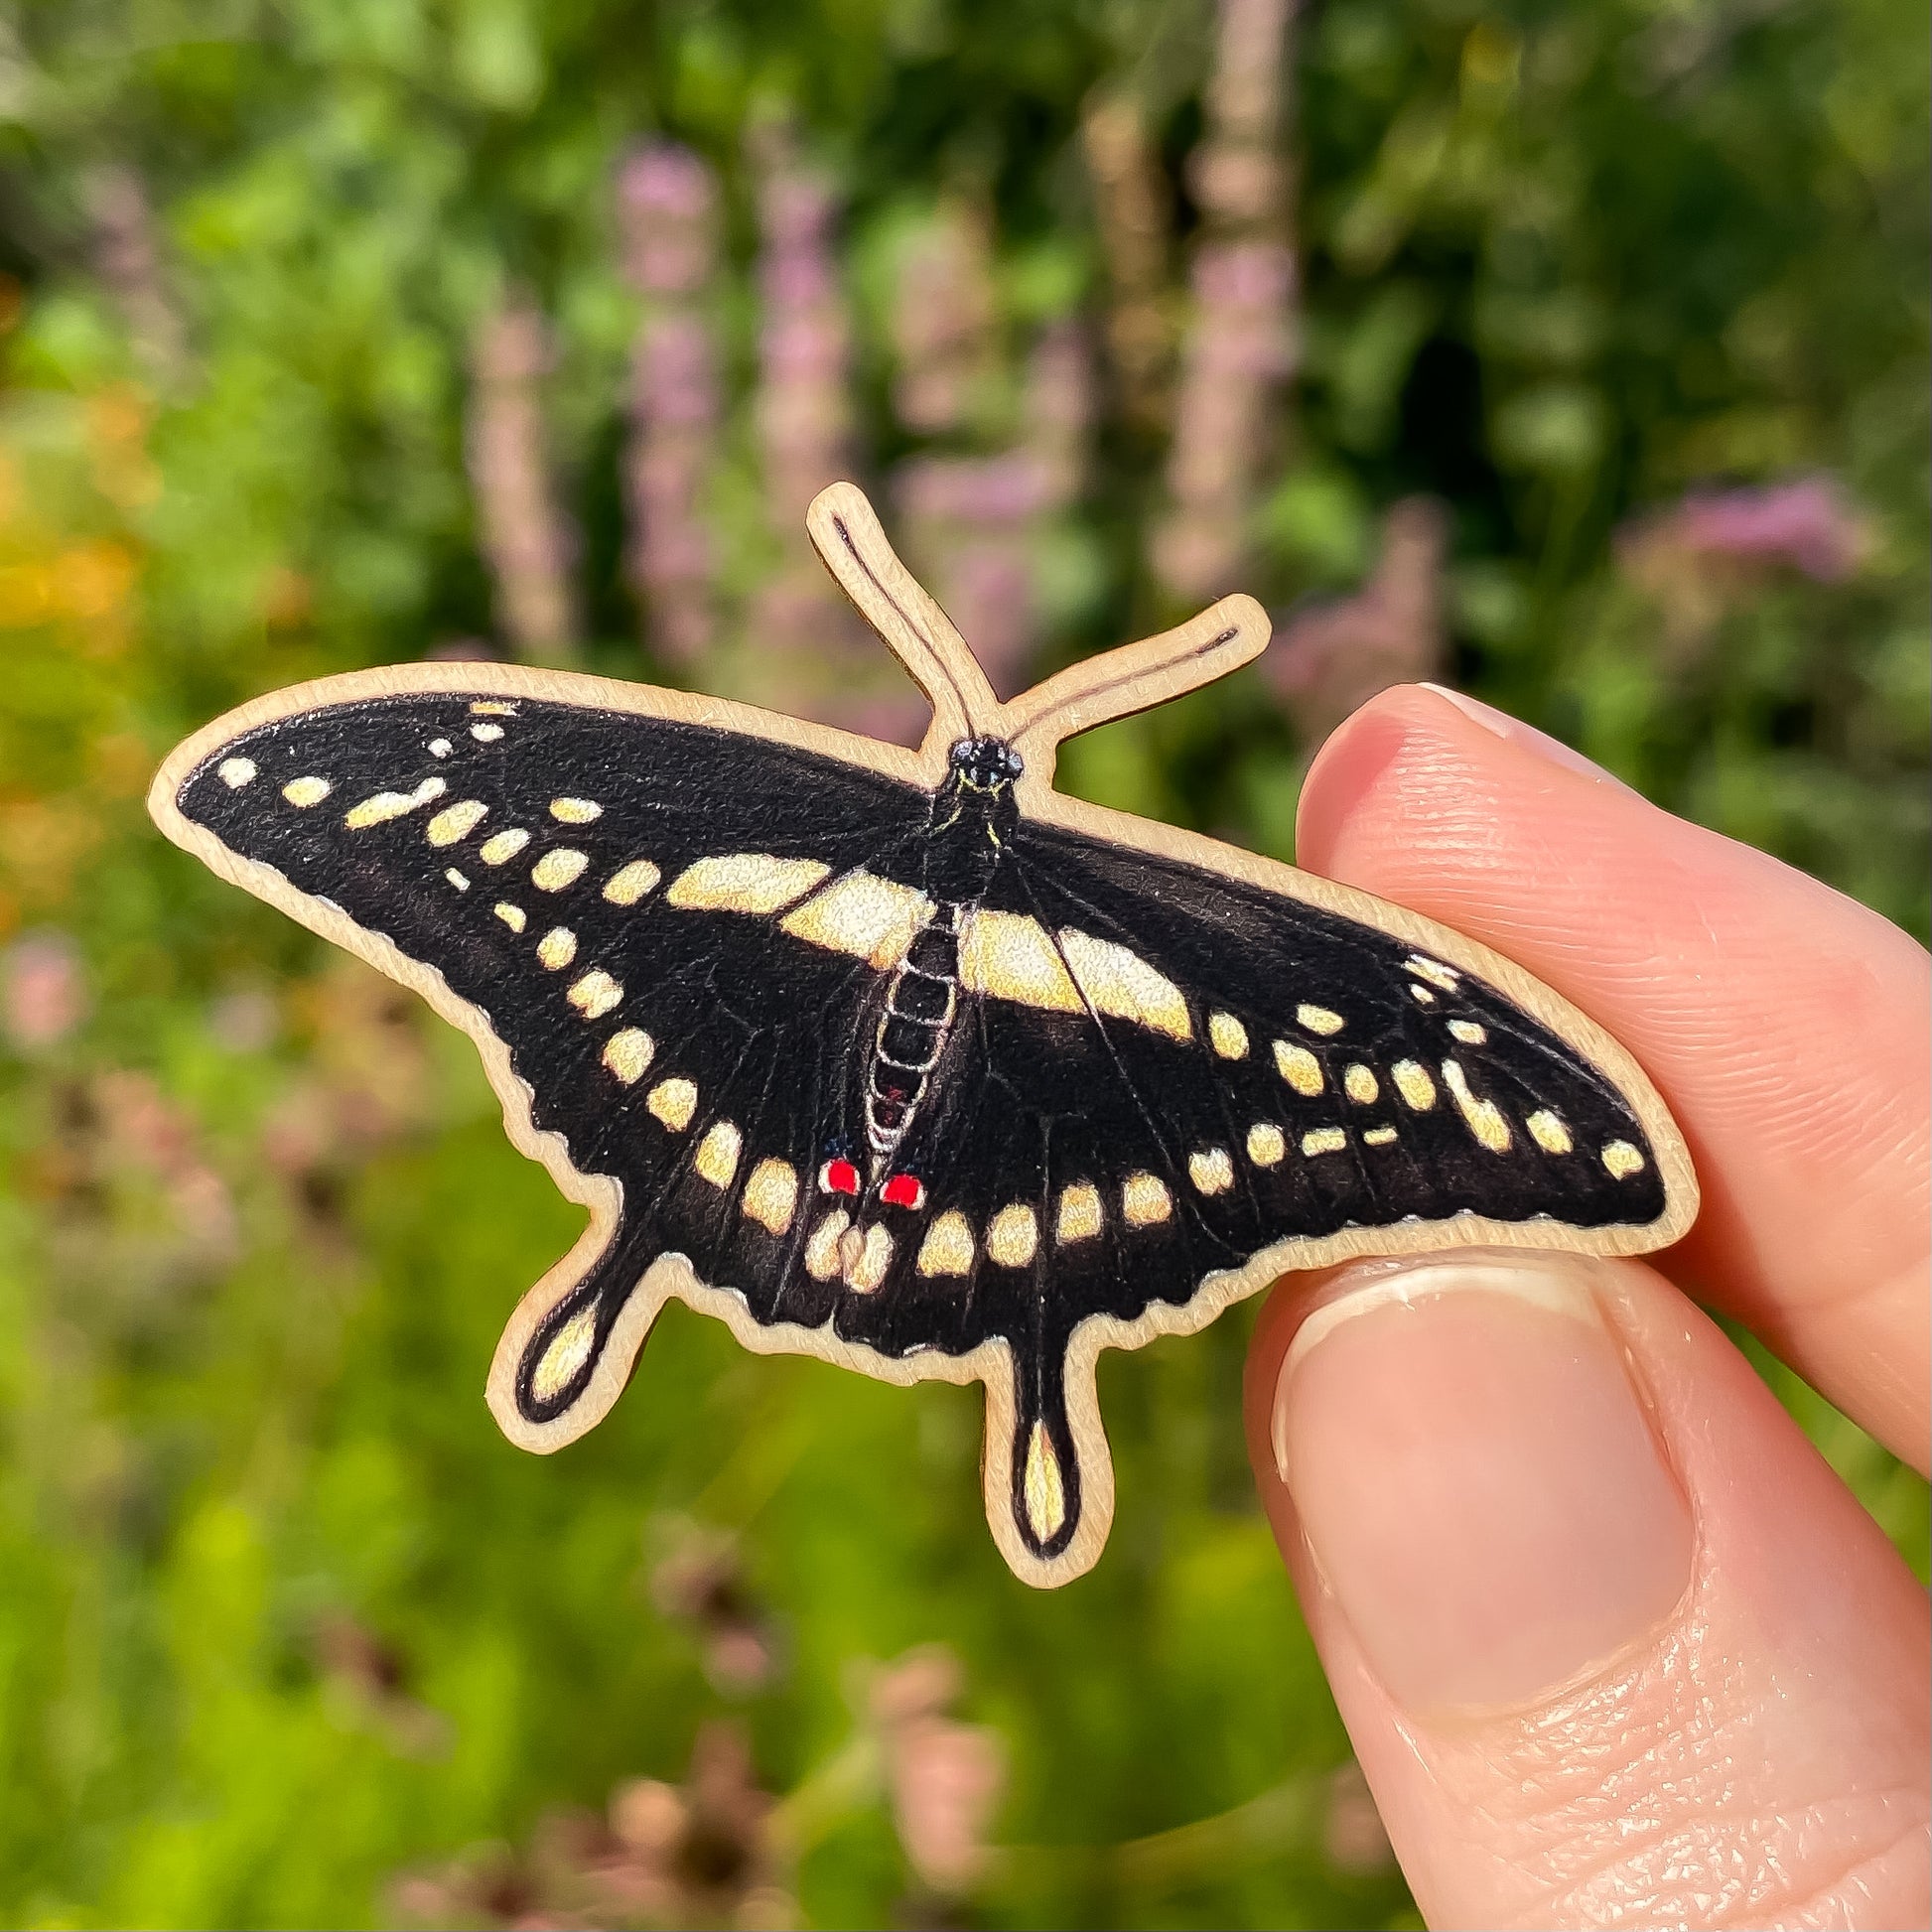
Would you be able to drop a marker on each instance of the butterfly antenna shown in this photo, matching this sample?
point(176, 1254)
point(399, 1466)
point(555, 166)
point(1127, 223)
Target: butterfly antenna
point(1134, 678)
point(847, 537)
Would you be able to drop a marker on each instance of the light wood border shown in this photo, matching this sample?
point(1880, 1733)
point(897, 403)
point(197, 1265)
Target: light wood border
point(1109, 686)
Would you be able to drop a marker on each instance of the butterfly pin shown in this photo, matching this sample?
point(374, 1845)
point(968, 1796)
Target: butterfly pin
point(903, 1060)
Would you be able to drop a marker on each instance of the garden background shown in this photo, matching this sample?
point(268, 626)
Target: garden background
point(1571, 354)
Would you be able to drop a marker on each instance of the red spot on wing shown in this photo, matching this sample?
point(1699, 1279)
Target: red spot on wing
point(839, 1178)
point(903, 1190)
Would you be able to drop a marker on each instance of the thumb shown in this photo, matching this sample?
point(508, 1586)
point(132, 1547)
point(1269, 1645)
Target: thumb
point(1610, 1639)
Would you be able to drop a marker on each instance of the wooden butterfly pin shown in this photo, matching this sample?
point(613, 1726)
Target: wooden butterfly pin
point(902, 1059)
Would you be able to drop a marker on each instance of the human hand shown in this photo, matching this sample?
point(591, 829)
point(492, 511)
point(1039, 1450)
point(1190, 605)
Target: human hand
point(1612, 1642)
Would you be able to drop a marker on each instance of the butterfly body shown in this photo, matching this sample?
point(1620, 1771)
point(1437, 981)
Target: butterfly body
point(973, 821)
point(903, 1060)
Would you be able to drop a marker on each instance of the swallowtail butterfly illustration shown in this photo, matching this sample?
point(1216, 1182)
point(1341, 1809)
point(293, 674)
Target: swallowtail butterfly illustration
point(902, 1059)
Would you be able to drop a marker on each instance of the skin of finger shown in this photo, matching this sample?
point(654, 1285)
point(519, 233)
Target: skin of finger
point(1786, 1026)
point(1760, 1759)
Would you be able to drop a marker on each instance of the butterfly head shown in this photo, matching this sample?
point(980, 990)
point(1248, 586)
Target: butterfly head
point(985, 765)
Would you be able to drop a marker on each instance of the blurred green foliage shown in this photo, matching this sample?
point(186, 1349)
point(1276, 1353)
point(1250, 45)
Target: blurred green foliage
point(282, 1617)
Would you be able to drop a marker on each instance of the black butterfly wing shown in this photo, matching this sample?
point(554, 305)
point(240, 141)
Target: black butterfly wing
point(1297, 1085)
point(530, 852)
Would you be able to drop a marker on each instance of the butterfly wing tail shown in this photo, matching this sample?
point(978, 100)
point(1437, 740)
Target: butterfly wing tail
point(570, 1347)
point(1049, 1475)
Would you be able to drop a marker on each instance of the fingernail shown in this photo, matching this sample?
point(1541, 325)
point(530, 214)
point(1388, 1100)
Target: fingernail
point(1478, 1482)
point(1515, 731)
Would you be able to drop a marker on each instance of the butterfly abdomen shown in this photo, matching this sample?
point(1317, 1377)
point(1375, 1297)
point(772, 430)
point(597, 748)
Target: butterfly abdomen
point(921, 1005)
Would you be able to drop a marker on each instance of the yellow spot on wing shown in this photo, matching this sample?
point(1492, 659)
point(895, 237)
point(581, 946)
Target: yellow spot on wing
point(1412, 1082)
point(1623, 1160)
point(511, 916)
point(629, 1052)
point(1145, 1201)
point(456, 822)
point(716, 1159)
point(569, 1350)
point(1549, 1132)
point(385, 805)
point(673, 1102)
point(500, 847)
point(1012, 1235)
point(1007, 956)
point(1265, 1144)
point(1423, 994)
point(304, 792)
point(822, 1250)
point(771, 1195)
point(575, 811)
point(1324, 1140)
point(872, 918)
point(1079, 1217)
point(1227, 1035)
point(948, 1246)
point(1211, 1171)
point(1484, 1117)
point(1042, 1486)
point(557, 948)
point(1434, 971)
point(236, 772)
point(461, 881)
point(628, 883)
point(595, 994)
point(491, 708)
point(1378, 1136)
point(1362, 1085)
point(865, 1274)
point(1122, 985)
point(1298, 1068)
point(743, 881)
point(558, 869)
point(1318, 1019)
point(1468, 1032)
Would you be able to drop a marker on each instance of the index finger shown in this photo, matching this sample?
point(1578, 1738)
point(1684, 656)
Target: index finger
point(1786, 1026)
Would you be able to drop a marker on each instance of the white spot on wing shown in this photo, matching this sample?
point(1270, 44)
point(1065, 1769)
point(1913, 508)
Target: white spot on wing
point(1623, 1160)
point(502, 847)
point(771, 1195)
point(382, 806)
point(1210, 1170)
point(595, 994)
point(455, 822)
point(1012, 1236)
point(872, 918)
point(743, 881)
point(627, 1053)
point(628, 883)
point(948, 1246)
point(558, 869)
point(716, 1159)
point(673, 1102)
